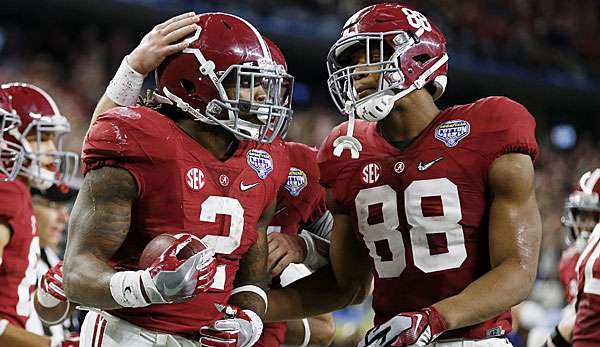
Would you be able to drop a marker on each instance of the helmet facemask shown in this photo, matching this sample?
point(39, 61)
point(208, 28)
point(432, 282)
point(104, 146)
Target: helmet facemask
point(392, 82)
point(257, 101)
point(11, 154)
point(582, 208)
point(241, 112)
point(46, 166)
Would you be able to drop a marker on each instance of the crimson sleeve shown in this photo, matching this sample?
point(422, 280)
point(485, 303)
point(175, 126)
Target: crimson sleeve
point(113, 140)
point(10, 206)
point(510, 129)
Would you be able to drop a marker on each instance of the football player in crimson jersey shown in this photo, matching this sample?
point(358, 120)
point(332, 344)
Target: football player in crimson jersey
point(586, 332)
point(301, 208)
point(582, 214)
point(206, 160)
point(437, 205)
point(298, 234)
point(297, 207)
point(39, 130)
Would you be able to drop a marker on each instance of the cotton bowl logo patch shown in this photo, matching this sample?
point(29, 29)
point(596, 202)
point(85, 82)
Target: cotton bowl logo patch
point(296, 181)
point(452, 131)
point(260, 161)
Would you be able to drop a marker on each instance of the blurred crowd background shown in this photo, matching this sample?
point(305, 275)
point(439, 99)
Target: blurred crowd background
point(543, 53)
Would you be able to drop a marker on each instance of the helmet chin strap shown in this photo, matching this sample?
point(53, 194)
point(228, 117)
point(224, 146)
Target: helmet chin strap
point(348, 141)
point(377, 109)
point(44, 180)
point(170, 98)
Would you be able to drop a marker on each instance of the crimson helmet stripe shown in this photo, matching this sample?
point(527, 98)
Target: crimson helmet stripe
point(263, 44)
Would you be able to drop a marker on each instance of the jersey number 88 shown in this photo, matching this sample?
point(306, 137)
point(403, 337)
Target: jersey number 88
point(421, 226)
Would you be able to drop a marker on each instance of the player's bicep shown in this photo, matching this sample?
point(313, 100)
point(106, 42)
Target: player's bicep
point(101, 215)
point(515, 224)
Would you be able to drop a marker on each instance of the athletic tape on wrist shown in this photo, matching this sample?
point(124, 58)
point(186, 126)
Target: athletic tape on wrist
point(62, 317)
point(125, 86)
point(46, 299)
point(56, 341)
point(313, 259)
point(306, 333)
point(126, 289)
point(253, 289)
point(3, 325)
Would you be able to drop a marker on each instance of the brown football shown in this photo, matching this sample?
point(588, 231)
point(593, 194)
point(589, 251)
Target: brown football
point(157, 245)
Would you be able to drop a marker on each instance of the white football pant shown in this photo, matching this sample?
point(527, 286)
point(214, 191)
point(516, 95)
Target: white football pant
point(492, 342)
point(104, 330)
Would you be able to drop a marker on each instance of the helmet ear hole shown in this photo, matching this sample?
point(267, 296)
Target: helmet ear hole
point(188, 86)
point(422, 58)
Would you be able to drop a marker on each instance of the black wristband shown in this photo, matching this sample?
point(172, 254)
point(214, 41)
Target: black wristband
point(558, 340)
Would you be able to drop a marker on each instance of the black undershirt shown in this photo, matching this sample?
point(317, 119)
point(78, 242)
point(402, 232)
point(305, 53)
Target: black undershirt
point(401, 144)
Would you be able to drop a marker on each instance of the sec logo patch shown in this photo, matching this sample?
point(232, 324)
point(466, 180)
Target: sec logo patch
point(370, 173)
point(195, 178)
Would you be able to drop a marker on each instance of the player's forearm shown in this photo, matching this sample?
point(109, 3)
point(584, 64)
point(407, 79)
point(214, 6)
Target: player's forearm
point(87, 281)
point(15, 336)
point(495, 292)
point(313, 295)
point(249, 301)
point(252, 275)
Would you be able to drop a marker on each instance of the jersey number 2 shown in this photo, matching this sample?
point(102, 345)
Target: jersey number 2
point(209, 210)
point(421, 226)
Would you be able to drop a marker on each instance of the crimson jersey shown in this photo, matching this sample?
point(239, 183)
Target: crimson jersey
point(566, 272)
point(19, 258)
point(586, 332)
point(183, 188)
point(301, 200)
point(422, 211)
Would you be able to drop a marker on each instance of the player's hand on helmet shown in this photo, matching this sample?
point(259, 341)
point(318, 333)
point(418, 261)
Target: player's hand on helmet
point(51, 287)
point(162, 41)
point(170, 279)
point(283, 250)
point(237, 328)
point(407, 329)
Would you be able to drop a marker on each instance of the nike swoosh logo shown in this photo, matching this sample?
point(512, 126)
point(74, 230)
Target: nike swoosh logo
point(244, 187)
point(423, 167)
point(171, 292)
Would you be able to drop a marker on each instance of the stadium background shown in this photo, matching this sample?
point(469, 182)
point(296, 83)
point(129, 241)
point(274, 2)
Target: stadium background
point(543, 53)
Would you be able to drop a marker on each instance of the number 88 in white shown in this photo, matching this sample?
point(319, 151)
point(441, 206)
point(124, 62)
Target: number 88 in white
point(421, 226)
